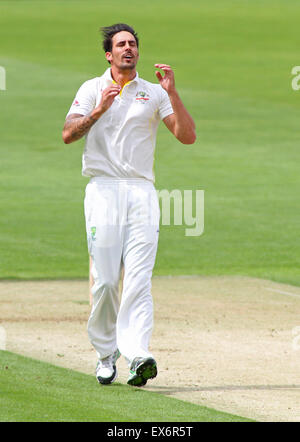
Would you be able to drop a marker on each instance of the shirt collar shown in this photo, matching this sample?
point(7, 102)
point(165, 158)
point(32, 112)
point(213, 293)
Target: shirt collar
point(108, 77)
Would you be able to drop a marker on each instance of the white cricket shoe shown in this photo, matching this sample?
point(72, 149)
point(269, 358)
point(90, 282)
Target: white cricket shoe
point(106, 370)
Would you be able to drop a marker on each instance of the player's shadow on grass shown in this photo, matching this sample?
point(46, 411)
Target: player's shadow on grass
point(172, 390)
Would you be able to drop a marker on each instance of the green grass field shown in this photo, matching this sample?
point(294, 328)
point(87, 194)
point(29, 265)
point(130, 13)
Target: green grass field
point(232, 61)
point(233, 64)
point(33, 391)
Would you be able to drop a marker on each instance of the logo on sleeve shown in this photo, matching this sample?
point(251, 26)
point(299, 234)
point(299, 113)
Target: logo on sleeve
point(75, 103)
point(142, 97)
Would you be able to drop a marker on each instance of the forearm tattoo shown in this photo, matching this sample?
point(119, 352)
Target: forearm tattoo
point(79, 126)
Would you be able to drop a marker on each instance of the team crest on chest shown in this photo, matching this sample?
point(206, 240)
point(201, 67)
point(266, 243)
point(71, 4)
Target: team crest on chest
point(142, 97)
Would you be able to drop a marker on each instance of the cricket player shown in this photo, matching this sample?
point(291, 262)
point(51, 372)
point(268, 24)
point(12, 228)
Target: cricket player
point(119, 113)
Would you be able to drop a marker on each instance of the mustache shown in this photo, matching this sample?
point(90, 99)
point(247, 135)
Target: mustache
point(128, 53)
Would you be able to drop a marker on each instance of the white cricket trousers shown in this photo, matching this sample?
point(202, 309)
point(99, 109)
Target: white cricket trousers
point(122, 224)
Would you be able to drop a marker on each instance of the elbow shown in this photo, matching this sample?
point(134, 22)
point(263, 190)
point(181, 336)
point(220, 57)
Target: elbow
point(189, 139)
point(66, 137)
point(192, 139)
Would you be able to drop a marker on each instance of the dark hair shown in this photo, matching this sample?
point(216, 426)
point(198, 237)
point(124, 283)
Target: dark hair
point(109, 31)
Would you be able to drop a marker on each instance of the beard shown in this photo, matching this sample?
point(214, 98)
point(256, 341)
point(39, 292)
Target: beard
point(123, 63)
point(127, 65)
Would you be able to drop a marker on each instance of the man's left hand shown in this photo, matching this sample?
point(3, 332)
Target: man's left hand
point(167, 81)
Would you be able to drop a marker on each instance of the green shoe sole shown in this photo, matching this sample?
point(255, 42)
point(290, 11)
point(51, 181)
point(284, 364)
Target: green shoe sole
point(146, 370)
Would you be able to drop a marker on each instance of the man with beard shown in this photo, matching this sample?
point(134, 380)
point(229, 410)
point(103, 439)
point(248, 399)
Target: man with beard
point(119, 113)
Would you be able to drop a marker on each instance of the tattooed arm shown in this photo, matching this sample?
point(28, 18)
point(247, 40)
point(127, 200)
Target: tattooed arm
point(77, 125)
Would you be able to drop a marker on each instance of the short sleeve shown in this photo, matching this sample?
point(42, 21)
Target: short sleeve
point(165, 107)
point(85, 99)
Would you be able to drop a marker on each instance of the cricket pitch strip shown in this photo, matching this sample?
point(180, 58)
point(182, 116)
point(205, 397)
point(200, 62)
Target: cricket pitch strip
point(230, 343)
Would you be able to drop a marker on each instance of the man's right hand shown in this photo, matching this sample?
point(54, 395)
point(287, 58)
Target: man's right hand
point(77, 125)
point(108, 96)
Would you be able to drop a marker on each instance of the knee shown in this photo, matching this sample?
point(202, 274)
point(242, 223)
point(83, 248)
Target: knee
point(137, 288)
point(105, 287)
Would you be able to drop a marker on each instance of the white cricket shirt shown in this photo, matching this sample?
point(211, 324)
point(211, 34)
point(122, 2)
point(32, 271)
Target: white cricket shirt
point(121, 143)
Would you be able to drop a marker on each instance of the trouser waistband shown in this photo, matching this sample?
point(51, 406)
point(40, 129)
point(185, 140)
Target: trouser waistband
point(111, 180)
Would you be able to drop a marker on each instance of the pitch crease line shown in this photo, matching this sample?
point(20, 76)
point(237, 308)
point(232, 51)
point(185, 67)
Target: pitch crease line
point(283, 293)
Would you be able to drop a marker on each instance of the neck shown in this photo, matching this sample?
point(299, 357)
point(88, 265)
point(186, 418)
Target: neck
point(122, 77)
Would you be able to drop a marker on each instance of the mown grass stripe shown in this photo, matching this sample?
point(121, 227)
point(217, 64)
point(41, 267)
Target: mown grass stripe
point(35, 391)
